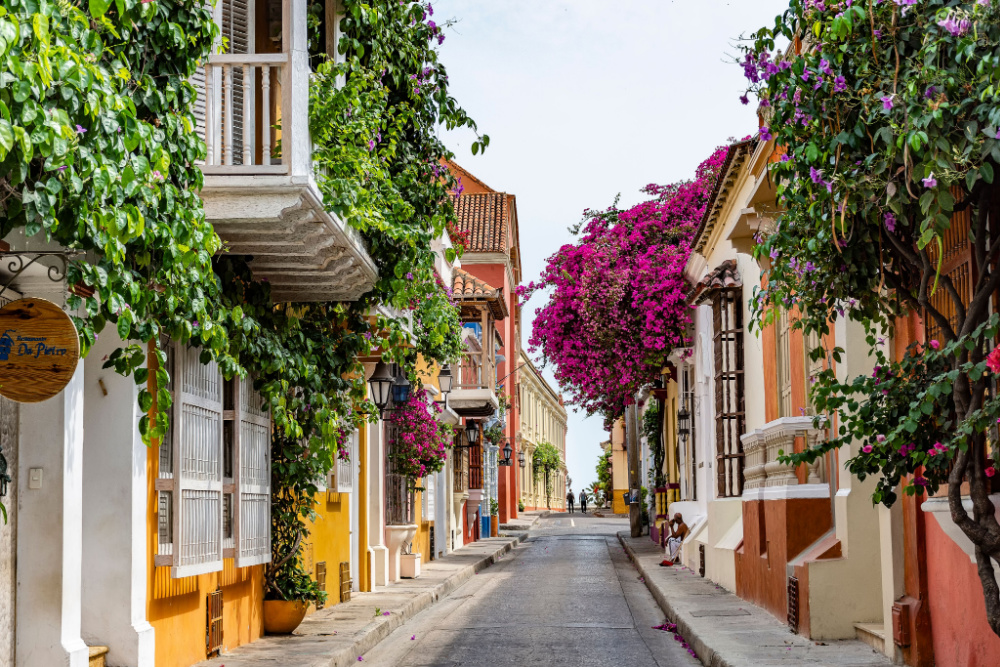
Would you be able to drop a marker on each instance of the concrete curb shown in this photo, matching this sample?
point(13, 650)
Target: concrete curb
point(382, 628)
point(706, 653)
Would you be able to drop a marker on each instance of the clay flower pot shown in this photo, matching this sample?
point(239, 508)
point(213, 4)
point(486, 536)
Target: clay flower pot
point(281, 617)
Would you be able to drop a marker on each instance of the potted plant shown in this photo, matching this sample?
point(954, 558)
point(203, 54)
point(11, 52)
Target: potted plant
point(289, 589)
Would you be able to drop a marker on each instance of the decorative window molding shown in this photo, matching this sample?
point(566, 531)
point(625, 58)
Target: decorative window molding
point(730, 411)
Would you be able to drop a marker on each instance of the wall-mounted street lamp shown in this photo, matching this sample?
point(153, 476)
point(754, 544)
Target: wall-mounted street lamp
point(507, 453)
point(472, 432)
point(400, 387)
point(381, 384)
point(445, 379)
point(683, 423)
point(521, 461)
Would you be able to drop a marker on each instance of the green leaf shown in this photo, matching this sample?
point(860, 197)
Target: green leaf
point(99, 8)
point(986, 169)
point(6, 138)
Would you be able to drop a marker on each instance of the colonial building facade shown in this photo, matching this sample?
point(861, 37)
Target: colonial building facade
point(543, 419)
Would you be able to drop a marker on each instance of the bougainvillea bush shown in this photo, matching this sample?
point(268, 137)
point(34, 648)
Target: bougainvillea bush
point(617, 306)
point(889, 113)
point(420, 448)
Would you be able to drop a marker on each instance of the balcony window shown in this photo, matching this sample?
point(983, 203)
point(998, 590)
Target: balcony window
point(214, 478)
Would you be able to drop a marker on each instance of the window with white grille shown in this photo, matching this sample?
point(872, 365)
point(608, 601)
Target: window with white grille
point(214, 481)
point(342, 476)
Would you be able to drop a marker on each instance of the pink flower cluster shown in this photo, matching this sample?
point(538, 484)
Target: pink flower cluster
point(618, 307)
point(419, 448)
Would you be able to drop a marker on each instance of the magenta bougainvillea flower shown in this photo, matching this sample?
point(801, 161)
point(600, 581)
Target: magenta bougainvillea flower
point(617, 306)
point(993, 360)
point(420, 447)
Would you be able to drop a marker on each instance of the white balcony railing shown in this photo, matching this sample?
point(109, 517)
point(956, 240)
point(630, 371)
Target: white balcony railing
point(243, 105)
point(761, 449)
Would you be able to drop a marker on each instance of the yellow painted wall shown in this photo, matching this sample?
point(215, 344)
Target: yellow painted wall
point(176, 607)
point(330, 540)
point(671, 464)
point(618, 505)
point(422, 541)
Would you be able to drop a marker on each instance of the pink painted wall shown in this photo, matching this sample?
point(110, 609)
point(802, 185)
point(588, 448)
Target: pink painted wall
point(962, 637)
point(496, 275)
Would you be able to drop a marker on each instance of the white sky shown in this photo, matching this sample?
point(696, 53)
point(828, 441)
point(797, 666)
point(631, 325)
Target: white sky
point(585, 99)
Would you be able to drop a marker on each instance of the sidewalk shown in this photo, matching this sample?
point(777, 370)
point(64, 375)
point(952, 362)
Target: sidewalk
point(337, 635)
point(727, 631)
point(525, 522)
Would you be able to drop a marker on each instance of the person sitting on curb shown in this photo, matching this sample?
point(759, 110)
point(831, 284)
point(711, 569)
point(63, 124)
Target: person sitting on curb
point(570, 498)
point(678, 531)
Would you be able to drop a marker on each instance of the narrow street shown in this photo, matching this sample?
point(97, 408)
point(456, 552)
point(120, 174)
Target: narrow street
point(567, 596)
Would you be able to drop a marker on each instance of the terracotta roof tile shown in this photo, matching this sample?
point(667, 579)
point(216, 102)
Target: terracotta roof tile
point(485, 218)
point(725, 276)
point(467, 285)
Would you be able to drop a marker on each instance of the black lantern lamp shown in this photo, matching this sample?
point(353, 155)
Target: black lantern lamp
point(381, 385)
point(445, 379)
point(472, 432)
point(507, 452)
point(400, 388)
point(521, 461)
point(683, 423)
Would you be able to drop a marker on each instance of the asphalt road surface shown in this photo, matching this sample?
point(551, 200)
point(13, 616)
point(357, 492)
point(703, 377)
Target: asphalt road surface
point(567, 596)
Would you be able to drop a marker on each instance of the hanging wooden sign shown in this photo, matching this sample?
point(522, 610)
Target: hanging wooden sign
point(39, 350)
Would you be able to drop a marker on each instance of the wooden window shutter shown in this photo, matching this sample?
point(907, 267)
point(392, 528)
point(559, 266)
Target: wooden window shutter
point(252, 476)
point(197, 439)
point(957, 264)
point(784, 364)
point(236, 26)
point(476, 466)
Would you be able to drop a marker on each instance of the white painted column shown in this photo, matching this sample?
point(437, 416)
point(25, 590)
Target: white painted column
point(114, 517)
point(377, 549)
point(442, 500)
point(50, 531)
point(355, 512)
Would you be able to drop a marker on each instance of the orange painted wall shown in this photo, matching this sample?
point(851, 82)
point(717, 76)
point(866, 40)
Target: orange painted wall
point(774, 532)
point(330, 539)
point(176, 607)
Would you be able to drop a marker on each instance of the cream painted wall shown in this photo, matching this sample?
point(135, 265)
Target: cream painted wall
point(542, 419)
point(848, 590)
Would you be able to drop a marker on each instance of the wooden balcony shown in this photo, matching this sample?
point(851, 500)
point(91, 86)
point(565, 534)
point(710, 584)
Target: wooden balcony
point(260, 190)
point(473, 393)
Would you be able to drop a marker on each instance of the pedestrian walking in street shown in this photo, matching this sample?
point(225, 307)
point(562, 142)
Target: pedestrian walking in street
point(570, 498)
point(583, 501)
